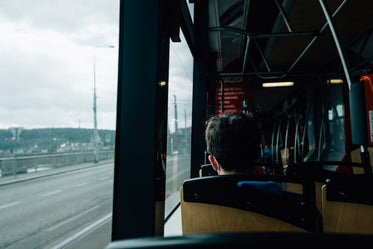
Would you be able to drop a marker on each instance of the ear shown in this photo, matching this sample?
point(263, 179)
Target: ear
point(213, 162)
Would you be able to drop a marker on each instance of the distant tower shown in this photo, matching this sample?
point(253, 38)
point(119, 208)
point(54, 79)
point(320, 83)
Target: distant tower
point(95, 133)
point(175, 114)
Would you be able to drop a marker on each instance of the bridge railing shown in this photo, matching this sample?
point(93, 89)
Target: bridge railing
point(19, 165)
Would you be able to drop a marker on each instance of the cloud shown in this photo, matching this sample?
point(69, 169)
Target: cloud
point(180, 84)
point(46, 62)
point(68, 16)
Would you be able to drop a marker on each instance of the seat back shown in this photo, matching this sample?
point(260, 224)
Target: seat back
point(207, 170)
point(262, 167)
point(318, 172)
point(224, 204)
point(347, 204)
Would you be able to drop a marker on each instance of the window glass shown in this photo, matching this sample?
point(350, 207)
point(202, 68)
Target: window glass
point(179, 117)
point(336, 138)
point(58, 78)
point(310, 133)
point(191, 10)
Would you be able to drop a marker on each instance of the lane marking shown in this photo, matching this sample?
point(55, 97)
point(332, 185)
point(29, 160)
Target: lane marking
point(52, 193)
point(10, 204)
point(83, 232)
point(71, 218)
point(103, 178)
point(176, 175)
point(81, 184)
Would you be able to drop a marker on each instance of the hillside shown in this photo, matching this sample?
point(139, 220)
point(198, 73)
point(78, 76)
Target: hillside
point(52, 140)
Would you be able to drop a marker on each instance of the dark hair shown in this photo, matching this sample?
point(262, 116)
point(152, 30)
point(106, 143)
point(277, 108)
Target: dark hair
point(234, 140)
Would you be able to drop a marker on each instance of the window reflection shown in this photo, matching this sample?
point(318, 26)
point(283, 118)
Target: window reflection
point(179, 116)
point(336, 120)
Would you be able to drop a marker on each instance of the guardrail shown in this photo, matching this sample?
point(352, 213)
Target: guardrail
point(19, 165)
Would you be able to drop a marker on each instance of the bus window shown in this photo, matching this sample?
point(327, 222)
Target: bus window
point(179, 119)
point(58, 88)
point(336, 123)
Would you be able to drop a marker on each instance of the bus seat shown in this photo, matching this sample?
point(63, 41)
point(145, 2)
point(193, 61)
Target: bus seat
point(293, 187)
point(348, 204)
point(317, 172)
point(298, 188)
point(218, 204)
point(207, 170)
point(245, 240)
point(356, 157)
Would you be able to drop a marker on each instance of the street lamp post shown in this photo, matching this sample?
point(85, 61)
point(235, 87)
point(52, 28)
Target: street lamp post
point(16, 131)
point(95, 132)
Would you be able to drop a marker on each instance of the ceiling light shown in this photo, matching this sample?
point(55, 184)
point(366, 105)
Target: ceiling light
point(278, 84)
point(335, 81)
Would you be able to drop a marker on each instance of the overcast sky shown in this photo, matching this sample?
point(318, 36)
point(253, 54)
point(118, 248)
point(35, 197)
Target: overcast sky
point(46, 62)
point(180, 84)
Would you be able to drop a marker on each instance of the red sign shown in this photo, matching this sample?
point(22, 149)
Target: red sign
point(368, 82)
point(236, 95)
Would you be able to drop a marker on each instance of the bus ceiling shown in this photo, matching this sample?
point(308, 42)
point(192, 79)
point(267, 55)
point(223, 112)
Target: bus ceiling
point(275, 39)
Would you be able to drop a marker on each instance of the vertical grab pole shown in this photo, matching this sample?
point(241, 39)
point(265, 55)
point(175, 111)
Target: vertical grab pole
point(278, 141)
point(336, 41)
point(296, 140)
point(365, 159)
point(273, 143)
point(222, 96)
point(286, 143)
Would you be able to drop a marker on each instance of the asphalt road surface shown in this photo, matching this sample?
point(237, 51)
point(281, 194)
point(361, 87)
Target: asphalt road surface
point(177, 170)
point(44, 212)
point(41, 213)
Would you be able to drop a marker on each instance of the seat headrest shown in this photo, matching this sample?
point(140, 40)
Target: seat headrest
point(350, 188)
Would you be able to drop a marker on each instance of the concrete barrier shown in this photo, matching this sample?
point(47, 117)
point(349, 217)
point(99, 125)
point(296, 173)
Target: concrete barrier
point(19, 165)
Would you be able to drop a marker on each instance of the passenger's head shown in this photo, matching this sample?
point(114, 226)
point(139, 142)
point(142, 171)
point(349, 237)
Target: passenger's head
point(233, 142)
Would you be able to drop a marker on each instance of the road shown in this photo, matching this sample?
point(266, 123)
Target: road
point(177, 170)
point(42, 212)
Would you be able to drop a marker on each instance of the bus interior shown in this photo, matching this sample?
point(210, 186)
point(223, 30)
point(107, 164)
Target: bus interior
point(302, 69)
point(295, 65)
